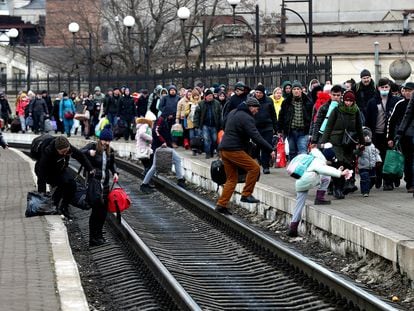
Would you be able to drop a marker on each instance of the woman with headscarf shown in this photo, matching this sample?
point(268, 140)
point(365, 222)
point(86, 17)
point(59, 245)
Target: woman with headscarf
point(345, 122)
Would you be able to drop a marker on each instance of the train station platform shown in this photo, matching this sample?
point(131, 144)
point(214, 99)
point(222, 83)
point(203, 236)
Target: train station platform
point(380, 223)
point(37, 269)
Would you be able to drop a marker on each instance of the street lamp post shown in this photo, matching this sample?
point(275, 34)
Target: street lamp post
point(234, 4)
point(74, 28)
point(183, 14)
point(129, 22)
point(308, 33)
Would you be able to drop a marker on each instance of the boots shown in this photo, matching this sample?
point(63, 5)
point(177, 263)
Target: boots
point(293, 229)
point(349, 187)
point(320, 198)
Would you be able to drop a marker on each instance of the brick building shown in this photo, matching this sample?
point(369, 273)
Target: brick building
point(60, 13)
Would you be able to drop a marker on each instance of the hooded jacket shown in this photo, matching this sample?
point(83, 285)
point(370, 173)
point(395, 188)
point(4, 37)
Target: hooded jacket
point(168, 103)
point(143, 138)
point(311, 178)
point(287, 112)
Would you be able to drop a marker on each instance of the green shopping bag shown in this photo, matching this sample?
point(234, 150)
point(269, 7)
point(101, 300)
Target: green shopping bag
point(394, 163)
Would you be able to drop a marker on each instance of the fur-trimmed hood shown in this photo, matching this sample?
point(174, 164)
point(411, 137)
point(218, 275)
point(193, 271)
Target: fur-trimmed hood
point(143, 121)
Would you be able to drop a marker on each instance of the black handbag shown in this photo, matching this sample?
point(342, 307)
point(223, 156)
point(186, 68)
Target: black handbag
point(39, 204)
point(94, 192)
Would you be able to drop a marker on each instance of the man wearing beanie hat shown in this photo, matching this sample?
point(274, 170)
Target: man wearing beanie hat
point(52, 168)
point(379, 109)
point(294, 120)
point(239, 96)
point(207, 118)
point(240, 129)
point(364, 91)
point(266, 123)
point(102, 158)
point(401, 130)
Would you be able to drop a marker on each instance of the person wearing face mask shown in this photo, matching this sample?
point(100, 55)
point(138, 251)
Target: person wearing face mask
point(102, 158)
point(379, 110)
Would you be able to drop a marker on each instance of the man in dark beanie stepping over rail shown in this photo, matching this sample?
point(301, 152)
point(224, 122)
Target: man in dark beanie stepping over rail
point(52, 168)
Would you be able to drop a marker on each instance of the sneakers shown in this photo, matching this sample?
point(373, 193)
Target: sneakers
point(266, 171)
point(410, 190)
point(365, 195)
point(223, 210)
point(145, 188)
point(250, 199)
point(388, 187)
point(181, 183)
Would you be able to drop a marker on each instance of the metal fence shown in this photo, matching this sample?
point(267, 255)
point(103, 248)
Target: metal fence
point(270, 75)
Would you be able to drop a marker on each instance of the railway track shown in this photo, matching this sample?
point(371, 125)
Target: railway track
point(197, 259)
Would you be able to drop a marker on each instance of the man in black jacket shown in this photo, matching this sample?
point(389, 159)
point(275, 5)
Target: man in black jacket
point(52, 168)
point(266, 123)
point(240, 128)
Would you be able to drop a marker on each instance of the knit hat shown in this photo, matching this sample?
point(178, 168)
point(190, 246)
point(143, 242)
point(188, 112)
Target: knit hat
point(208, 92)
point(408, 85)
point(329, 154)
point(296, 83)
point(349, 95)
point(365, 73)
point(61, 142)
point(97, 89)
point(252, 102)
point(106, 133)
point(239, 85)
point(260, 88)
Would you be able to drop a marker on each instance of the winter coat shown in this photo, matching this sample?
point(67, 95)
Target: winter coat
point(407, 124)
point(287, 112)
point(277, 103)
point(161, 133)
point(201, 111)
point(38, 105)
point(168, 103)
point(143, 138)
point(126, 108)
point(396, 117)
point(21, 107)
point(2, 141)
point(5, 107)
point(190, 112)
point(97, 163)
point(311, 177)
point(372, 110)
point(266, 119)
point(66, 105)
point(319, 124)
point(111, 104)
point(51, 164)
point(181, 108)
point(240, 128)
point(369, 157)
point(335, 130)
point(142, 105)
point(363, 94)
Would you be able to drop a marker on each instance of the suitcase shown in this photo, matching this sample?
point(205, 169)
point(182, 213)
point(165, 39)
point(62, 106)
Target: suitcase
point(197, 143)
point(163, 160)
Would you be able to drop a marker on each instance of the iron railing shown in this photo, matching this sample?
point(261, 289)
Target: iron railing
point(270, 75)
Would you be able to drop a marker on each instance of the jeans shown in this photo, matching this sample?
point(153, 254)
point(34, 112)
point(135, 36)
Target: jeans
point(193, 133)
point(298, 143)
point(23, 123)
point(177, 164)
point(67, 124)
point(210, 139)
point(367, 179)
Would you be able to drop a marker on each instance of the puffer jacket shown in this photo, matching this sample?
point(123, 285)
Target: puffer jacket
point(143, 138)
point(311, 178)
point(66, 105)
point(369, 157)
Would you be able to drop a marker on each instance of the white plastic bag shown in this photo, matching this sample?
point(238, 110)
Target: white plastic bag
point(286, 146)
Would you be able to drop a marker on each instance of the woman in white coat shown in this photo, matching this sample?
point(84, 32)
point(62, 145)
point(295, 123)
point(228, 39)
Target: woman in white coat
point(317, 173)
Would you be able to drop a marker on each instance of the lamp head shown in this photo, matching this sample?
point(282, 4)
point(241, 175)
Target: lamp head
point(73, 27)
point(13, 33)
point(233, 3)
point(129, 21)
point(183, 13)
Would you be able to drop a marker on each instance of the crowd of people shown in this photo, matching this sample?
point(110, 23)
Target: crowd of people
point(358, 121)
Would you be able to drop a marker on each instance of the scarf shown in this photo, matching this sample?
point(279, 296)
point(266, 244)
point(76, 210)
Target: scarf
point(348, 109)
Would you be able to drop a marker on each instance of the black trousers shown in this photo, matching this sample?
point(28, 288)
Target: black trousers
point(64, 182)
point(98, 216)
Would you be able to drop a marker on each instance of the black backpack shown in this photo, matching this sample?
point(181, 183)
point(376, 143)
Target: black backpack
point(218, 175)
point(38, 144)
